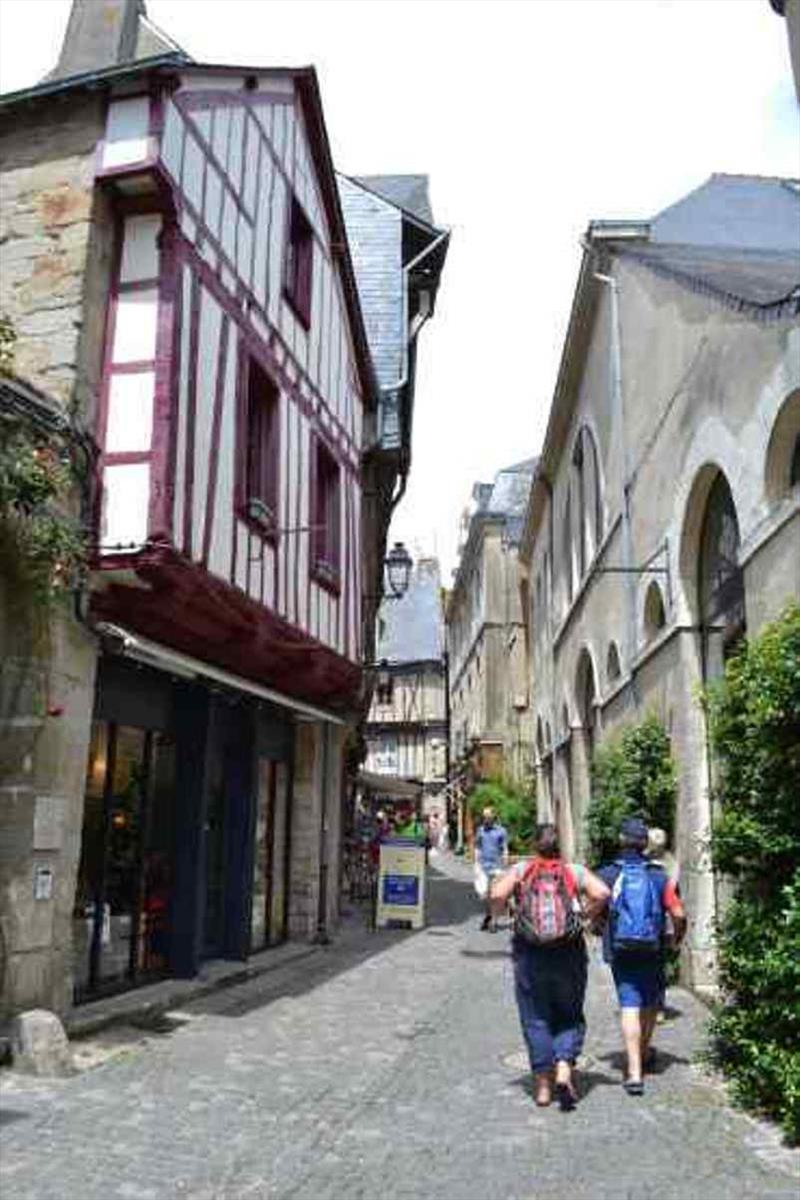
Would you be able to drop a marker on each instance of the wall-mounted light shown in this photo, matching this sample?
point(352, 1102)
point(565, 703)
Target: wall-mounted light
point(398, 564)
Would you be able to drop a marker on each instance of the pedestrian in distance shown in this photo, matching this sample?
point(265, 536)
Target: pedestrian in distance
point(552, 897)
point(491, 857)
point(634, 942)
point(658, 852)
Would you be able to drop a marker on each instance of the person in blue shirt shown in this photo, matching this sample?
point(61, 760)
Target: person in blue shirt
point(491, 857)
point(639, 975)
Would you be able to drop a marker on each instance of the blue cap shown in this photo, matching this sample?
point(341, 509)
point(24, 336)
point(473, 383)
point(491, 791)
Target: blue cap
point(634, 829)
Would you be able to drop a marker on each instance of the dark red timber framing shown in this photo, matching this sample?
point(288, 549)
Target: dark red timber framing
point(182, 604)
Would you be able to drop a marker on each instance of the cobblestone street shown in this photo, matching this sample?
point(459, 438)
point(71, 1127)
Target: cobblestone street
point(388, 1065)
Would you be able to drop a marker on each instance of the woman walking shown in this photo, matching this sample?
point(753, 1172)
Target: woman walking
point(550, 962)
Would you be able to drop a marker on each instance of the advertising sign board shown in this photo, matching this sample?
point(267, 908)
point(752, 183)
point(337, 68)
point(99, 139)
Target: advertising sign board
point(401, 884)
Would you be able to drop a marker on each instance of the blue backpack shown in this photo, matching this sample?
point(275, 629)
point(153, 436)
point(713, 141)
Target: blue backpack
point(637, 912)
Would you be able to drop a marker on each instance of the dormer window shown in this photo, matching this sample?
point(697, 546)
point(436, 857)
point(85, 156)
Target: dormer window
point(259, 501)
point(299, 261)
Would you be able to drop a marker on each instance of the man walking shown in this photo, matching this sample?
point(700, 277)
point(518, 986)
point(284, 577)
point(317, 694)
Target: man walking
point(491, 856)
point(634, 941)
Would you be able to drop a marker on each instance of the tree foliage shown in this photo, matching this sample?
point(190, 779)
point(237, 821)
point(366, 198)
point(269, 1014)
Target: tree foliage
point(515, 807)
point(632, 773)
point(754, 718)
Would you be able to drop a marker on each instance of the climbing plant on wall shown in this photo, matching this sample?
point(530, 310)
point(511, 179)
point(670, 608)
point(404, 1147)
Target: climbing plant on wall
point(632, 773)
point(754, 719)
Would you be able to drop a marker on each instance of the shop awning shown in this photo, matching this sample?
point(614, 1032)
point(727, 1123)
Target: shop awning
point(152, 654)
point(390, 785)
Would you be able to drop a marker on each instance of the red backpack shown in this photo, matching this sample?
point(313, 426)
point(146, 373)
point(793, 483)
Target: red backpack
point(546, 913)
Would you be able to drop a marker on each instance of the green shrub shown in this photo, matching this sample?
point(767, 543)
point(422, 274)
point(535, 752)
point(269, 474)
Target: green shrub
point(754, 718)
point(515, 809)
point(632, 773)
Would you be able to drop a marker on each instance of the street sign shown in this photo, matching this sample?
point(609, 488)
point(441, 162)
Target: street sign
point(401, 884)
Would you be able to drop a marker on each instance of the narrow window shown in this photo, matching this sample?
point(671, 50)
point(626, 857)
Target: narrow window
point(326, 509)
point(262, 456)
point(299, 259)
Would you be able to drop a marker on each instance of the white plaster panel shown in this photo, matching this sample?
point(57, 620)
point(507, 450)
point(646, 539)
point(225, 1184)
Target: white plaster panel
point(279, 130)
point(209, 254)
point(183, 391)
point(135, 326)
point(202, 119)
point(172, 140)
point(269, 575)
point(140, 248)
point(188, 226)
point(304, 539)
point(192, 175)
point(130, 412)
point(126, 489)
point(221, 549)
point(288, 147)
point(222, 125)
point(251, 166)
point(127, 125)
point(235, 149)
point(208, 359)
point(242, 544)
point(213, 205)
point(261, 227)
point(256, 569)
point(244, 249)
point(228, 235)
point(276, 248)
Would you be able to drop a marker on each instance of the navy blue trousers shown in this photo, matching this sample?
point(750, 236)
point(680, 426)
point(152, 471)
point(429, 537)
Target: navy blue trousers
point(550, 988)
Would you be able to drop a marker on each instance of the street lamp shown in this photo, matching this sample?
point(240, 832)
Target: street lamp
point(398, 566)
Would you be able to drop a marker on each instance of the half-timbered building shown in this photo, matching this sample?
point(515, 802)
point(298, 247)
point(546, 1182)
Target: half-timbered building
point(188, 290)
point(407, 725)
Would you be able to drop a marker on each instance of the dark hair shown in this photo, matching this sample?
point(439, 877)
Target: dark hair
point(546, 841)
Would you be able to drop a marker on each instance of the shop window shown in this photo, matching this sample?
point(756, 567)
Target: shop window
point(326, 507)
point(299, 261)
point(260, 492)
point(122, 900)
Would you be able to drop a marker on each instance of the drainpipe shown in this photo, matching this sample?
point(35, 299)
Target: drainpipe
point(322, 938)
point(618, 412)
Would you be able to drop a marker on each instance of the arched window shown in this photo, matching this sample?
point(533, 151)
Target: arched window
point(589, 529)
point(654, 616)
point(613, 670)
point(720, 578)
point(566, 545)
point(782, 468)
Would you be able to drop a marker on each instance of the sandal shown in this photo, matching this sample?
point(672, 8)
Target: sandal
point(634, 1087)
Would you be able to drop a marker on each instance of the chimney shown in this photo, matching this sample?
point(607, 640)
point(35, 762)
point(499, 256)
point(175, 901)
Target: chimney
point(100, 34)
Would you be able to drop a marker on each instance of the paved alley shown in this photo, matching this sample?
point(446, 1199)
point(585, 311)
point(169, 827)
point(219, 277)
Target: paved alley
point(387, 1066)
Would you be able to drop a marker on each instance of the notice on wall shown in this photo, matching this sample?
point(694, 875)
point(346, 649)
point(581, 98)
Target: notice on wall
point(43, 883)
point(401, 884)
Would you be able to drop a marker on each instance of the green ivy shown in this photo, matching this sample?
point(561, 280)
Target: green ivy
point(515, 808)
point(632, 773)
point(754, 719)
point(42, 548)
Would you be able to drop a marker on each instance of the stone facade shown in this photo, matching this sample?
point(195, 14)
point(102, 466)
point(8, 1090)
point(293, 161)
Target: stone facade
point(487, 637)
point(676, 406)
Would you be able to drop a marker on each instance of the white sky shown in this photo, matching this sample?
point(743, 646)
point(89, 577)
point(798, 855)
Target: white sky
point(531, 117)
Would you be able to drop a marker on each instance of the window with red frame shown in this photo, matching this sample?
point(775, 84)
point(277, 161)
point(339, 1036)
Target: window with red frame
point(260, 497)
point(299, 260)
point(326, 509)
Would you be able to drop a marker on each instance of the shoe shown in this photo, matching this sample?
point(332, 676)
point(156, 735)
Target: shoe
point(634, 1087)
point(566, 1097)
point(485, 923)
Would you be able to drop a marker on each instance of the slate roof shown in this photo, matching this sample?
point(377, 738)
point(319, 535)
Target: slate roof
point(409, 192)
point(411, 630)
point(736, 237)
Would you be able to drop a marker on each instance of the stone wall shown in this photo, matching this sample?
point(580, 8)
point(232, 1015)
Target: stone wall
point(47, 203)
point(55, 250)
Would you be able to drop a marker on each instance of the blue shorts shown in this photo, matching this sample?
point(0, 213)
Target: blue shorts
point(640, 980)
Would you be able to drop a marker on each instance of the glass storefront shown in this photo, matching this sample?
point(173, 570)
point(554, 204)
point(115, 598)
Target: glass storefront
point(121, 923)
